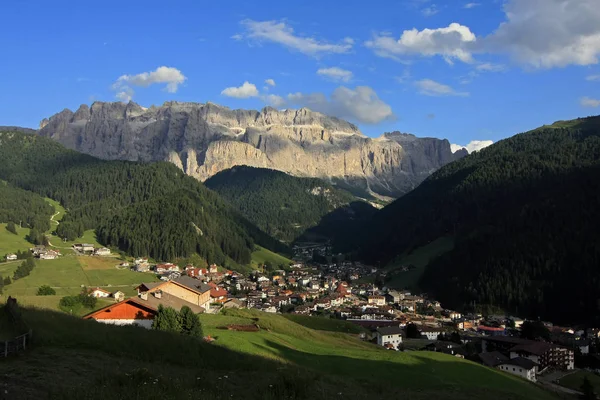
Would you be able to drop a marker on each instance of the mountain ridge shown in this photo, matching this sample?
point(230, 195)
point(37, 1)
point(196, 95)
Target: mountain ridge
point(203, 139)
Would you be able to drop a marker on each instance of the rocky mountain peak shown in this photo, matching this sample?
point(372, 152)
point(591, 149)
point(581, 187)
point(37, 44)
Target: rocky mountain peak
point(203, 139)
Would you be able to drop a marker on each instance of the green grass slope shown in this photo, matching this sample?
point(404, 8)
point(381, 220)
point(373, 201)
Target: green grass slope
point(66, 275)
point(282, 361)
point(261, 256)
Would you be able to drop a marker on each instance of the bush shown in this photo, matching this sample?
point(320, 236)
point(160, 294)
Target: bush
point(46, 290)
point(68, 301)
point(10, 226)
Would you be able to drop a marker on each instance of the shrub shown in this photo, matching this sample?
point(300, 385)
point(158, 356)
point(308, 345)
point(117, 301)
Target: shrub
point(46, 290)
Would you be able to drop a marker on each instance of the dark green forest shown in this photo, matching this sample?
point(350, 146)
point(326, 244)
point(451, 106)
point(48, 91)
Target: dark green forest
point(24, 208)
point(282, 205)
point(524, 213)
point(144, 209)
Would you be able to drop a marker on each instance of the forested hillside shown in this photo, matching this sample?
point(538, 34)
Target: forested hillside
point(144, 209)
point(524, 215)
point(282, 205)
point(25, 208)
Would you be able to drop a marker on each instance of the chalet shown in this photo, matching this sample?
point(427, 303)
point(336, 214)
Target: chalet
point(86, 247)
point(102, 251)
point(98, 293)
point(303, 310)
point(124, 264)
point(542, 353)
point(118, 296)
point(324, 303)
point(37, 250)
point(217, 294)
point(454, 315)
point(142, 267)
point(279, 301)
point(391, 335)
point(213, 269)
point(377, 300)
point(523, 367)
point(233, 303)
point(11, 257)
point(48, 255)
point(181, 291)
point(129, 312)
point(168, 267)
point(394, 296)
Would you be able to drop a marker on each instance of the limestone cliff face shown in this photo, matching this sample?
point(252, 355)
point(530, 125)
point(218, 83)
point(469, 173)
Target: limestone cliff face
point(203, 139)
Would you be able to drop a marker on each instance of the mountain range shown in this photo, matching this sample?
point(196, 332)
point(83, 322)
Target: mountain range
point(204, 139)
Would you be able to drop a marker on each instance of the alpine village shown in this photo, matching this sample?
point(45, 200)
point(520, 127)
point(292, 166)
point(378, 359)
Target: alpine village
point(288, 241)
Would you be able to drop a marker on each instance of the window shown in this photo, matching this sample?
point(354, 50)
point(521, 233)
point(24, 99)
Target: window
point(514, 369)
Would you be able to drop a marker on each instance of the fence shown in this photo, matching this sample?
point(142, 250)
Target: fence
point(20, 342)
point(15, 345)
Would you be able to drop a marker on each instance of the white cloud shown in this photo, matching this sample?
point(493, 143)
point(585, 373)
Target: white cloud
point(490, 67)
point(335, 74)
point(429, 11)
point(593, 78)
point(274, 100)
point(589, 102)
point(549, 33)
point(450, 43)
point(471, 5)
point(360, 104)
point(125, 95)
point(279, 32)
point(270, 82)
point(474, 145)
point(430, 87)
point(237, 36)
point(172, 77)
point(242, 92)
point(535, 33)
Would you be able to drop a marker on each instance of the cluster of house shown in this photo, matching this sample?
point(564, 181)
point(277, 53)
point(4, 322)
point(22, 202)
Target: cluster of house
point(87, 248)
point(385, 313)
point(177, 293)
point(44, 253)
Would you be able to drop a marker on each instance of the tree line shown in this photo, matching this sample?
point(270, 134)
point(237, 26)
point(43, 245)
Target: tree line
point(282, 205)
point(524, 216)
point(143, 209)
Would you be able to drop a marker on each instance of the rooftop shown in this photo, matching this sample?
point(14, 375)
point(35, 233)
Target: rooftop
point(168, 300)
point(390, 330)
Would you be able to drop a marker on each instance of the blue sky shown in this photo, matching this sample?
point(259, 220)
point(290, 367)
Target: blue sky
point(462, 70)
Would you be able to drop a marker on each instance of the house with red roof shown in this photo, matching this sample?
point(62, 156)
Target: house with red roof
point(129, 312)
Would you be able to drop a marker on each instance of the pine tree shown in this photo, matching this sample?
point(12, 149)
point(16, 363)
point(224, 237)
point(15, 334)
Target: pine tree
point(167, 319)
point(189, 322)
point(10, 226)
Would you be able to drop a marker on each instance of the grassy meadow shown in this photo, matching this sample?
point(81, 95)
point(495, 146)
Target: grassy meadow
point(262, 255)
point(575, 380)
point(67, 275)
point(284, 360)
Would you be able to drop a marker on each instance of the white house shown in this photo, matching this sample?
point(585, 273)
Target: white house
point(97, 292)
point(118, 296)
point(430, 333)
point(102, 251)
point(377, 300)
point(87, 247)
point(390, 336)
point(11, 257)
point(523, 367)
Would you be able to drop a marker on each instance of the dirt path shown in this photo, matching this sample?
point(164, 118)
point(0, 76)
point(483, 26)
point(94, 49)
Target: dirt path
point(52, 218)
